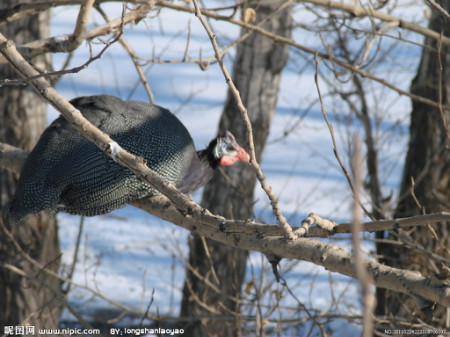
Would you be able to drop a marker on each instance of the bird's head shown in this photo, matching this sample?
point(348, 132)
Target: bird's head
point(227, 151)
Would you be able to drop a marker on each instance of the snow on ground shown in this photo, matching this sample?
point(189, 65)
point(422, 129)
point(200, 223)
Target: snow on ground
point(128, 255)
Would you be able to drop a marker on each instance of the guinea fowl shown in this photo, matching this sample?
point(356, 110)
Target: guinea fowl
point(66, 172)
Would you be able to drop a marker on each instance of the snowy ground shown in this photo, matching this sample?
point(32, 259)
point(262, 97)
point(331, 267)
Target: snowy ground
point(128, 255)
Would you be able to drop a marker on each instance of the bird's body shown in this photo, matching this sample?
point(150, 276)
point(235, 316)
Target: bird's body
point(66, 172)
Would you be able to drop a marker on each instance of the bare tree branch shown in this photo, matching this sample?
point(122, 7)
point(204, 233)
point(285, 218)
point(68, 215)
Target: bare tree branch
point(134, 59)
point(333, 138)
point(53, 44)
point(59, 73)
point(268, 238)
point(329, 256)
point(12, 159)
point(359, 11)
point(288, 233)
point(68, 43)
point(441, 10)
point(21, 10)
point(62, 44)
point(353, 10)
point(326, 56)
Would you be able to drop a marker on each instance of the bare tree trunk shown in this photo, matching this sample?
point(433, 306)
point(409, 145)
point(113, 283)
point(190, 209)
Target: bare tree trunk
point(28, 300)
point(256, 73)
point(428, 164)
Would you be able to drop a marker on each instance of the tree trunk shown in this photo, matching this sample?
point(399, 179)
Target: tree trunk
point(428, 164)
point(28, 300)
point(256, 73)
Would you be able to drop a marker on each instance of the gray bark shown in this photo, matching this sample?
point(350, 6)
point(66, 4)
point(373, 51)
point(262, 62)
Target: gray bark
point(26, 300)
point(428, 163)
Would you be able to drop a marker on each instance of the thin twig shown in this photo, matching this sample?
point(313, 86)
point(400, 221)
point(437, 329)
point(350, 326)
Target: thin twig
point(55, 292)
point(75, 255)
point(441, 10)
point(247, 124)
point(66, 43)
point(210, 260)
point(132, 54)
point(77, 69)
point(59, 73)
point(354, 10)
point(59, 44)
point(333, 138)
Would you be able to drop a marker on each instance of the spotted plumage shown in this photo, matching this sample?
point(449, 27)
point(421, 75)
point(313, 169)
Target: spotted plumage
point(66, 172)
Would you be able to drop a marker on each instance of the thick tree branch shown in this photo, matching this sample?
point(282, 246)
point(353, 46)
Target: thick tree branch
point(329, 256)
point(12, 159)
point(269, 238)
